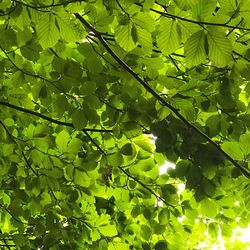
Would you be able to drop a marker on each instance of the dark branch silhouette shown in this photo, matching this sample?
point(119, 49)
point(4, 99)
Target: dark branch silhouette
point(68, 124)
point(161, 99)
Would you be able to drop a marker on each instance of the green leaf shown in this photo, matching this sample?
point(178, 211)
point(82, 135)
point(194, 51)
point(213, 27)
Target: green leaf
point(185, 4)
point(209, 208)
point(229, 6)
point(62, 140)
point(47, 31)
point(144, 144)
point(127, 149)
point(144, 21)
point(120, 246)
point(20, 240)
point(23, 20)
point(145, 165)
point(195, 48)
point(146, 232)
point(187, 29)
point(168, 39)
point(7, 149)
point(67, 28)
point(220, 47)
point(115, 159)
point(213, 230)
point(131, 129)
point(203, 9)
point(4, 5)
point(81, 178)
point(108, 230)
point(245, 143)
point(161, 245)
point(233, 149)
point(74, 146)
point(144, 38)
point(163, 216)
point(123, 37)
point(79, 119)
point(213, 123)
point(9, 122)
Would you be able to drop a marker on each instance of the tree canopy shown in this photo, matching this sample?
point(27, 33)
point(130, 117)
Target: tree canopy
point(124, 124)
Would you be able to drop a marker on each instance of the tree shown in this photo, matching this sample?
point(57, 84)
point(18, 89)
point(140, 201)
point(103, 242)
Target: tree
point(98, 98)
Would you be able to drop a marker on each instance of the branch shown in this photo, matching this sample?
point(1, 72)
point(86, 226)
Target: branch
point(146, 187)
point(243, 57)
point(225, 25)
point(47, 6)
point(27, 111)
point(12, 8)
point(129, 175)
point(149, 89)
point(31, 74)
point(24, 156)
point(139, 4)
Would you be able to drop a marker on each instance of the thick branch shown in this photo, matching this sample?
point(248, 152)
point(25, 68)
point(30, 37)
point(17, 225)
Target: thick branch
point(161, 99)
point(68, 124)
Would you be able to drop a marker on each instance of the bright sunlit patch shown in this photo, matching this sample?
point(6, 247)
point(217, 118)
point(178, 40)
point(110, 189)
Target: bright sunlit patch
point(236, 203)
point(180, 188)
point(167, 165)
point(65, 224)
point(242, 234)
point(202, 245)
point(180, 219)
point(158, 203)
point(85, 40)
point(152, 138)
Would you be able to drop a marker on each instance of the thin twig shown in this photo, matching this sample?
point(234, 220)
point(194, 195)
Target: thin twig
point(243, 57)
point(129, 175)
point(146, 187)
point(14, 141)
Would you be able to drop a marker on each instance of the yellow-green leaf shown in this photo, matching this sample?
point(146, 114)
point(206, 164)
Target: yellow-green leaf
point(220, 47)
point(47, 31)
point(108, 230)
point(124, 37)
point(194, 48)
point(67, 28)
point(167, 39)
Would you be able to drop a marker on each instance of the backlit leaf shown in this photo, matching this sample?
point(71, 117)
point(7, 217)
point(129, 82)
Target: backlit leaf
point(195, 48)
point(47, 31)
point(220, 47)
point(168, 39)
point(124, 37)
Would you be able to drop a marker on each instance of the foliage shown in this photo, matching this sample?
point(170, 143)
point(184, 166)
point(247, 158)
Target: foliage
point(85, 88)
